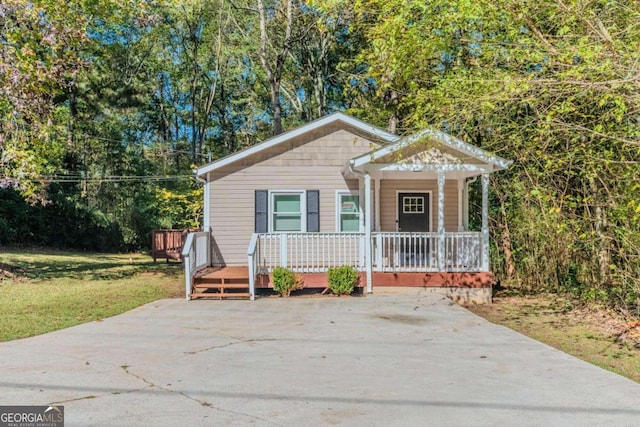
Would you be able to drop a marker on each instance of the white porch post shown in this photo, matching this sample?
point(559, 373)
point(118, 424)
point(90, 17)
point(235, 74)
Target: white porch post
point(441, 242)
point(367, 231)
point(376, 184)
point(485, 222)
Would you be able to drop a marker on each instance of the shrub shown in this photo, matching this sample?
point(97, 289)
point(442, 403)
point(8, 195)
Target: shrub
point(342, 279)
point(285, 281)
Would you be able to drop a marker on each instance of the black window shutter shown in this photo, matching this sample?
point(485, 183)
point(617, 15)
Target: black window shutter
point(313, 211)
point(262, 211)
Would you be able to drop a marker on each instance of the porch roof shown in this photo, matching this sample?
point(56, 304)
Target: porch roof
point(359, 125)
point(435, 157)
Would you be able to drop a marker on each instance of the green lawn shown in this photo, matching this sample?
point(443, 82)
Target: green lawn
point(53, 290)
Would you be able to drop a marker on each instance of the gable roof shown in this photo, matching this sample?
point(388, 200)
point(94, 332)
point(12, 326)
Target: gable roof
point(441, 137)
point(286, 136)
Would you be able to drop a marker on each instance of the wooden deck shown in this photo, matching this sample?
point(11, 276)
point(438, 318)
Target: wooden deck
point(167, 244)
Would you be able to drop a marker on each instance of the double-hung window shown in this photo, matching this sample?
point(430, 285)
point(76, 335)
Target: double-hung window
point(348, 212)
point(288, 211)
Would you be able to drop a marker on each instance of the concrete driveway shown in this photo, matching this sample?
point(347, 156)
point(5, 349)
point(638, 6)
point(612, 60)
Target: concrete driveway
point(399, 359)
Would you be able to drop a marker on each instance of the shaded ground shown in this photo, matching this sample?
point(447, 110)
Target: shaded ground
point(589, 331)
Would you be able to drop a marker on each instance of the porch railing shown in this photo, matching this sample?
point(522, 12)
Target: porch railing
point(391, 252)
point(308, 252)
point(196, 254)
point(420, 252)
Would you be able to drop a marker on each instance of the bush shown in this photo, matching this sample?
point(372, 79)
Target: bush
point(285, 281)
point(342, 279)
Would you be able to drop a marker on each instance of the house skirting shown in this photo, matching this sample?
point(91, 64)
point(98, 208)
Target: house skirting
point(433, 280)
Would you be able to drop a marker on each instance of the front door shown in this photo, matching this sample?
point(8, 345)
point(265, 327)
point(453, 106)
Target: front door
point(413, 217)
point(413, 212)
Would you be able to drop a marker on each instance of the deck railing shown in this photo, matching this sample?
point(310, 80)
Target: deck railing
point(196, 254)
point(420, 252)
point(308, 252)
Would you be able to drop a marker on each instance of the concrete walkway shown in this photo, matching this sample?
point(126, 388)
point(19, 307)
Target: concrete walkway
point(400, 359)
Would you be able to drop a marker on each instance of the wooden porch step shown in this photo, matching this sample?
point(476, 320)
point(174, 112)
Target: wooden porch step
point(220, 295)
point(223, 280)
point(208, 285)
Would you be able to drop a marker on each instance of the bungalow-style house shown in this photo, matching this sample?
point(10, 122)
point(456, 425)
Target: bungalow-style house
point(338, 191)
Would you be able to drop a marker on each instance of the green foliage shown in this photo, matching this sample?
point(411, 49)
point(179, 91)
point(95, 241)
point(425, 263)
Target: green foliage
point(545, 84)
point(342, 279)
point(285, 281)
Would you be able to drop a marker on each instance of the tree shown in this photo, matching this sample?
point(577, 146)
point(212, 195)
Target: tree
point(551, 85)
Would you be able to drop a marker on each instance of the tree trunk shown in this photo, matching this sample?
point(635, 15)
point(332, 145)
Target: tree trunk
point(274, 73)
point(505, 242)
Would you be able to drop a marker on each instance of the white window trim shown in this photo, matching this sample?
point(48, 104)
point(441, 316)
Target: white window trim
point(303, 209)
point(430, 205)
point(339, 194)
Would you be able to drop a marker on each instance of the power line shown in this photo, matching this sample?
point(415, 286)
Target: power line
point(111, 178)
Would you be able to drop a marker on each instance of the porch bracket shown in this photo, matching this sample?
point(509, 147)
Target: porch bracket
point(485, 222)
point(441, 240)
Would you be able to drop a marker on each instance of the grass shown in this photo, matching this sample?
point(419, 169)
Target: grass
point(590, 332)
point(53, 290)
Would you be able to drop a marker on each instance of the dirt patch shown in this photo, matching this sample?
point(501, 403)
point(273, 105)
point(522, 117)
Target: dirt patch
point(591, 332)
point(8, 271)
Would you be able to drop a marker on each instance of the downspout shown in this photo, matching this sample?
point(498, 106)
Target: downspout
point(367, 225)
point(206, 225)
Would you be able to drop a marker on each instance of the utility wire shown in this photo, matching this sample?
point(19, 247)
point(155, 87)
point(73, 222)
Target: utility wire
point(118, 178)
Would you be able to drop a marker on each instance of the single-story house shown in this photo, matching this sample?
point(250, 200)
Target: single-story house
point(338, 191)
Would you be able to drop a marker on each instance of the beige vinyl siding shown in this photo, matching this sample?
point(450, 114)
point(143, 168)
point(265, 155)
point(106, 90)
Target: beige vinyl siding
point(308, 164)
point(389, 200)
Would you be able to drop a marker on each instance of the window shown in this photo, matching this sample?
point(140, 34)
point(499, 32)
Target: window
point(287, 213)
point(348, 212)
point(413, 205)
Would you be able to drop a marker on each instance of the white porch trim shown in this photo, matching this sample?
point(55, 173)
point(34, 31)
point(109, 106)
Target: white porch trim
point(367, 230)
